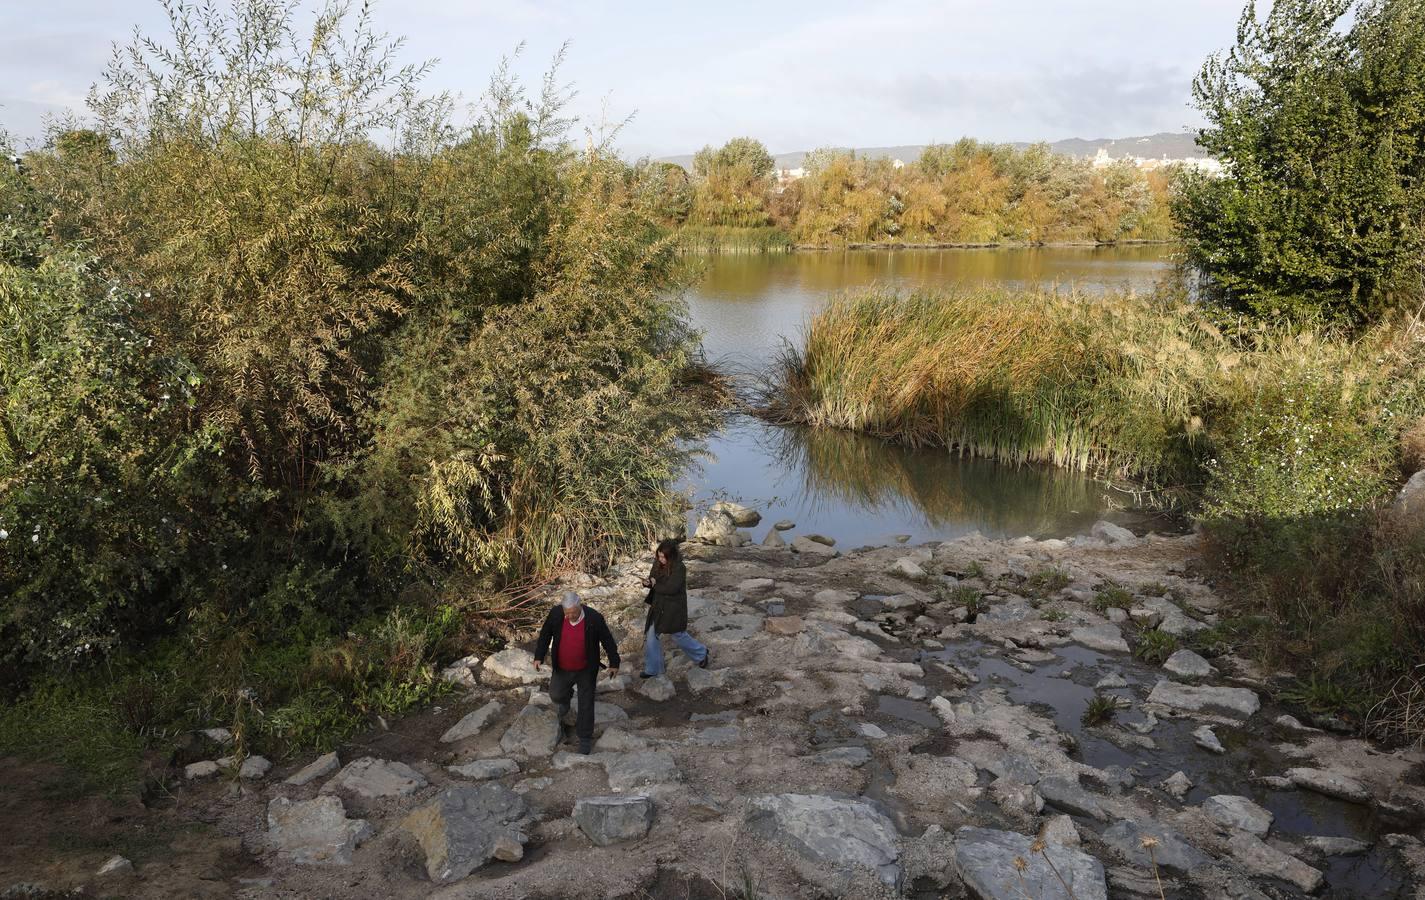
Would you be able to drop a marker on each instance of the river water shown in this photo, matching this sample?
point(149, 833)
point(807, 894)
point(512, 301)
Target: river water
point(861, 490)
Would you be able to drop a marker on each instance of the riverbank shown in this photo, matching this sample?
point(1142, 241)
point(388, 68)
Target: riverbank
point(714, 240)
point(902, 721)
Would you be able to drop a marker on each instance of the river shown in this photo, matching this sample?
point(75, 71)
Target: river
point(861, 490)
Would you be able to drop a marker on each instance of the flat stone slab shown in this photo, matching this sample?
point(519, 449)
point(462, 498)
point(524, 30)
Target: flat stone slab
point(1263, 860)
point(700, 680)
point(988, 862)
point(837, 832)
point(1207, 739)
point(1172, 850)
point(754, 586)
point(1332, 784)
point(1188, 664)
point(614, 819)
point(534, 732)
point(855, 757)
point(726, 629)
point(486, 769)
point(320, 767)
point(784, 625)
point(471, 724)
point(639, 768)
point(369, 778)
point(512, 666)
point(1067, 794)
point(1103, 638)
point(1240, 702)
point(1238, 813)
point(314, 832)
point(467, 826)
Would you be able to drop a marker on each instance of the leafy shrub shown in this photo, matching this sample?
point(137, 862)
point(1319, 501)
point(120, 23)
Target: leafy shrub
point(1155, 646)
point(1111, 596)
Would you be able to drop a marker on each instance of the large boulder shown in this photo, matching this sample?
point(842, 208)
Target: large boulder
point(1332, 784)
point(808, 547)
point(471, 723)
point(465, 827)
point(1172, 851)
point(1240, 702)
point(989, 861)
point(715, 527)
point(1411, 499)
point(741, 516)
point(658, 688)
point(836, 832)
point(1113, 535)
point(640, 768)
point(612, 819)
point(534, 732)
point(1266, 861)
point(1238, 813)
point(369, 778)
point(314, 832)
point(512, 666)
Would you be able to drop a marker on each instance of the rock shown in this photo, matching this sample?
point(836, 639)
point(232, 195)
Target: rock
point(604, 713)
point(486, 769)
point(1113, 535)
point(1206, 698)
point(220, 736)
point(1412, 496)
point(1144, 617)
point(534, 732)
point(1103, 638)
point(1012, 766)
point(784, 625)
point(725, 630)
point(1111, 680)
point(461, 671)
point(774, 606)
point(717, 736)
point(988, 861)
point(532, 784)
point(1179, 624)
point(905, 567)
point(1263, 860)
point(1067, 794)
point(834, 597)
point(1290, 722)
point(804, 544)
point(1172, 850)
point(115, 867)
point(827, 830)
point(471, 723)
point(855, 757)
point(1237, 812)
point(700, 680)
point(639, 768)
point(1060, 830)
point(320, 767)
point(752, 586)
point(314, 832)
point(1337, 846)
point(714, 527)
point(774, 540)
point(512, 666)
point(617, 740)
point(1332, 784)
point(1016, 798)
point(872, 731)
point(612, 819)
point(900, 538)
point(741, 516)
point(1177, 785)
point(1188, 664)
point(785, 525)
point(1206, 738)
point(368, 778)
point(467, 826)
point(821, 539)
point(1277, 782)
point(1015, 610)
point(658, 688)
point(1116, 615)
point(255, 767)
point(199, 770)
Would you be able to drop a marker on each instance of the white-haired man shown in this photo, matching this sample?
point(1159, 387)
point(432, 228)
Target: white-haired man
point(576, 633)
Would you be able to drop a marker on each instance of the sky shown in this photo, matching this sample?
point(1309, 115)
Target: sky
point(796, 76)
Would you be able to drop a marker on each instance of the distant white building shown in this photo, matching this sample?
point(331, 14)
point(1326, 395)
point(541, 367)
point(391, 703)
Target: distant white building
point(1207, 164)
point(785, 176)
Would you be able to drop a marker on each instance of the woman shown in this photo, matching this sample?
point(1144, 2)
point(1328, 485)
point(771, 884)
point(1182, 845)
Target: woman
point(668, 611)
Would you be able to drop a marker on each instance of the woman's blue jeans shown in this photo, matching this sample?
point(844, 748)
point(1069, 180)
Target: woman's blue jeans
point(653, 650)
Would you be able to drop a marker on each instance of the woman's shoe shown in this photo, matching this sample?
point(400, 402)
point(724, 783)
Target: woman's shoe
point(707, 658)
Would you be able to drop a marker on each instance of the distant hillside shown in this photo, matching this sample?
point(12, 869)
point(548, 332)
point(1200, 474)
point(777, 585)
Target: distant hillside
point(1173, 145)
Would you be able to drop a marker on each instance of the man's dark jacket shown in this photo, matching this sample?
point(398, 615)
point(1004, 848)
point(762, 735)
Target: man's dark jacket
point(668, 613)
point(596, 634)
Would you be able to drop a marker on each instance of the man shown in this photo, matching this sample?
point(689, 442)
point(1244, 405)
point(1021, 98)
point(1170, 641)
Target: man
point(576, 632)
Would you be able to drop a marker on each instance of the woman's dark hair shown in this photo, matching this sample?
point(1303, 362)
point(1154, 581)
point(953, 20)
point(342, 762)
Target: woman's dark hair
point(668, 548)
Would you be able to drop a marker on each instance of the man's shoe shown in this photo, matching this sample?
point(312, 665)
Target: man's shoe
point(646, 675)
point(585, 748)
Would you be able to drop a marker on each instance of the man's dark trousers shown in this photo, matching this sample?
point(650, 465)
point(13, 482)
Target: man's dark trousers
point(561, 686)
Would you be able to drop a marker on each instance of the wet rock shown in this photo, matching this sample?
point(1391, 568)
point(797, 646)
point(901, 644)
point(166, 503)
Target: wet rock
point(1172, 851)
point(784, 625)
point(486, 769)
point(1177, 785)
point(1263, 860)
point(1188, 664)
point(471, 723)
point(658, 688)
point(805, 545)
point(1206, 698)
point(1103, 638)
point(988, 861)
point(1111, 680)
point(1337, 846)
point(115, 868)
point(462, 671)
point(1066, 794)
point(1113, 535)
point(368, 778)
point(750, 587)
point(314, 832)
point(1332, 784)
point(700, 680)
point(1206, 738)
point(785, 525)
point(467, 826)
point(1237, 812)
point(872, 731)
point(774, 540)
point(510, 667)
point(614, 819)
point(833, 831)
point(320, 767)
point(632, 770)
point(534, 732)
point(855, 757)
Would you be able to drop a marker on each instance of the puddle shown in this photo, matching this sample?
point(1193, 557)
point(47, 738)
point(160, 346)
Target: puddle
point(1376, 875)
point(878, 788)
point(907, 710)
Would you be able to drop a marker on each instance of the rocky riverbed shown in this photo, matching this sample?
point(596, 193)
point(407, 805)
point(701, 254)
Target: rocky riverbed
point(881, 722)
